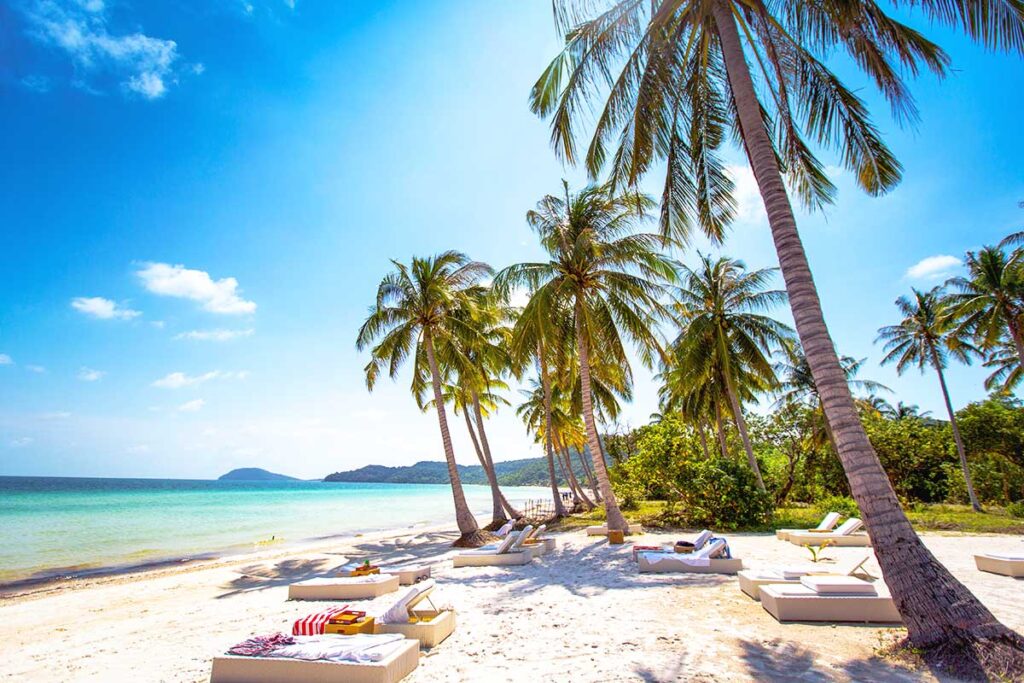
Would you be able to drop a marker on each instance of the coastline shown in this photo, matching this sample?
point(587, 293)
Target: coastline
point(548, 620)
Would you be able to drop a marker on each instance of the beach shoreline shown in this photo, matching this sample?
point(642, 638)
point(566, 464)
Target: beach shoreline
point(546, 620)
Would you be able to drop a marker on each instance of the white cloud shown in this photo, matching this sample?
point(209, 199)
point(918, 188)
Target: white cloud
point(177, 380)
point(21, 442)
point(5, 359)
point(933, 268)
point(105, 309)
point(158, 324)
point(36, 83)
point(144, 65)
point(749, 204)
point(38, 369)
point(192, 406)
point(215, 335)
point(216, 296)
point(89, 375)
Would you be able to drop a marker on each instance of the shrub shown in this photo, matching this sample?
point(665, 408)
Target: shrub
point(1016, 509)
point(996, 480)
point(844, 505)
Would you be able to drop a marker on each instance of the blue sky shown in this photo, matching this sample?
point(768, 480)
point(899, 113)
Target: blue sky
point(198, 199)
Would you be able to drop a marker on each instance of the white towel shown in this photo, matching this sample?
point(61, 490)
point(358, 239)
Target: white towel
point(361, 647)
point(655, 558)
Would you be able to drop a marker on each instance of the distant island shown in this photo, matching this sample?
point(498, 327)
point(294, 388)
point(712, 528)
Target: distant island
point(254, 474)
point(526, 472)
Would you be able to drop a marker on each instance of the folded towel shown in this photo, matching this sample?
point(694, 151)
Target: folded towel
point(313, 625)
point(658, 558)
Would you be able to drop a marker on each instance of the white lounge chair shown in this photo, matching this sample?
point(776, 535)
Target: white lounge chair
point(344, 587)
point(508, 552)
point(409, 574)
point(539, 544)
point(843, 536)
point(831, 599)
point(505, 529)
point(1007, 564)
point(703, 561)
point(381, 658)
point(828, 522)
point(698, 543)
point(752, 579)
point(405, 617)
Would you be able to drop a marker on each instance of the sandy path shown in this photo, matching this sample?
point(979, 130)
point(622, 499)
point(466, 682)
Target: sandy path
point(581, 613)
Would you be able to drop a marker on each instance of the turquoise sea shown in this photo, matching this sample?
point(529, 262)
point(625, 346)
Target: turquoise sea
point(59, 527)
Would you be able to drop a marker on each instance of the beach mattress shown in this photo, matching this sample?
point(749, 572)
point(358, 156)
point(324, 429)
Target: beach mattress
point(409, 575)
point(858, 540)
point(393, 668)
point(751, 581)
point(473, 558)
point(541, 547)
point(796, 602)
point(603, 530)
point(430, 631)
point(343, 588)
point(1005, 564)
point(655, 562)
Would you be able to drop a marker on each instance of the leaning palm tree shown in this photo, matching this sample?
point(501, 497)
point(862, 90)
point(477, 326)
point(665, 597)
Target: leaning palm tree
point(989, 302)
point(418, 308)
point(680, 75)
point(1007, 371)
point(726, 336)
point(926, 338)
point(609, 276)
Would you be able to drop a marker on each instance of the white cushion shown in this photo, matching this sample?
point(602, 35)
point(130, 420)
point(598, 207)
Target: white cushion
point(846, 585)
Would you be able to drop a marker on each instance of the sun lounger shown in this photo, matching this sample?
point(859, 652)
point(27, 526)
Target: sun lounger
point(343, 587)
point(603, 530)
point(831, 599)
point(409, 574)
point(429, 626)
point(505, 529)
point(827, 523)
point(397, 659)
point(537, 543)
point(703, 561)
point(697, 543)
point(752, 579)
point(1007, 564)
point(508, 552)
point(842, 536)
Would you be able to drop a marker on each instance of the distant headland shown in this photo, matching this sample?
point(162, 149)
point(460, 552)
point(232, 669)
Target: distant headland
point(254, 474)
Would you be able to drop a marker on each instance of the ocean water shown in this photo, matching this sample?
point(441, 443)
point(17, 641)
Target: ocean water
point(57, 526)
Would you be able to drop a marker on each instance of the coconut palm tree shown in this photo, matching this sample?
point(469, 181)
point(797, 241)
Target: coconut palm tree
point(419, 307)
point(680, 77)
point(989, 302)
point(905, 411)
point(609, 276)
point(926, 338)
point(1007, 371)
point(725, 335)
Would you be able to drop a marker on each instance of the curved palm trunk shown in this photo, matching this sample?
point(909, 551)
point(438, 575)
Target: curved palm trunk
point(703, 441)
point(589, 471)
point(587, 503)
point(463, 515)
point(1018, 338)
point(940, 613)
point(492, 476)
point(721, 431)
point(548, 447)
point(497, 509)
point(961, 451)
point(741, 426)
point(614, 519)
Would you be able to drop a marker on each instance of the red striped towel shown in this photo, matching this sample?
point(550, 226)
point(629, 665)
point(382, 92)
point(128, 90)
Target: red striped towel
point(313, 625)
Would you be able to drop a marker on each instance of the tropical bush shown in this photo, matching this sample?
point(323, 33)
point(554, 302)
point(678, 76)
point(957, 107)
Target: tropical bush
point(844, 505)
point(1016, 509)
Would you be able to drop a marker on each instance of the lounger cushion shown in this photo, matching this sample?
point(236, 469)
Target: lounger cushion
point(838, 585)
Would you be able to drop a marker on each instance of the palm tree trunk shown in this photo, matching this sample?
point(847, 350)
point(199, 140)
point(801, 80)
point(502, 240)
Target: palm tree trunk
point(548, 447)
point(589, 504)
point(721, 431)
point(589, 471)
point(492, 476)
point(613, 515)
point(741, 426)
point(468, 527)
point(941, 615)
point(497, 510)
point(703, 441)
point(1018, 338)
point(961, 451)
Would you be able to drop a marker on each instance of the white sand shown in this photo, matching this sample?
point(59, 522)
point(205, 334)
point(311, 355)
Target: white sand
point(581, 613)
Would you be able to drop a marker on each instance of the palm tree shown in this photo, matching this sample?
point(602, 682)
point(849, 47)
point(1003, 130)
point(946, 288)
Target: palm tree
point(609, 276)
point(1007, 371)
point(680, 78)
point(925, 338)
point(906, 411)
point(989, 303)
point(877, 406)
point(419, 307)
point(725, 336)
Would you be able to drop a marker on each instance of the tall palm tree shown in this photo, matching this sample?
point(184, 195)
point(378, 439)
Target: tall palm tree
point(679, 77)
point(926, 338)
point(989, 303)
point(609, 276)
point(419, 307)
point(909, 411)
point(726, 336)
point(1007, 371)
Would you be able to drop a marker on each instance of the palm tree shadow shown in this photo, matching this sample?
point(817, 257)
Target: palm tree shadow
point(780, 660)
